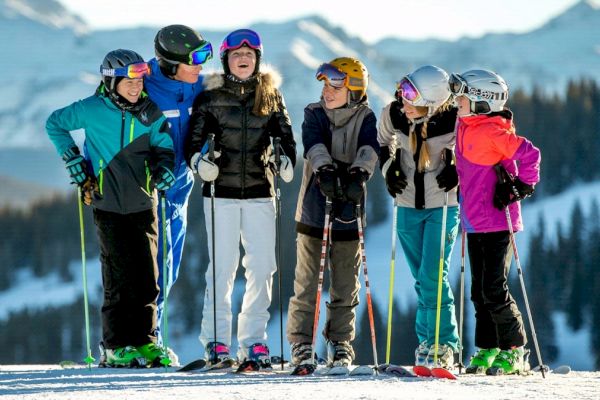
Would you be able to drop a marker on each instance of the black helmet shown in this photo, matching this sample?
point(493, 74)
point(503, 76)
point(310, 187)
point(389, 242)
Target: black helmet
point(173, 45)
point(117, 59)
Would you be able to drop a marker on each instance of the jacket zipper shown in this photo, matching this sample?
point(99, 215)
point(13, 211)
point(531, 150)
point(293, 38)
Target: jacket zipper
point(122, 128)
point(244, 133)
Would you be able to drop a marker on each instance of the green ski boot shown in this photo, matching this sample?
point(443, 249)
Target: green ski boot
point(509, 362)
point(127, 356)
point(155, 355)
point(482, 360)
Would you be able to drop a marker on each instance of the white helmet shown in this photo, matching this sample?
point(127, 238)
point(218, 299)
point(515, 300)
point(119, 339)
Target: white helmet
point(486, 90)
point(427, 87)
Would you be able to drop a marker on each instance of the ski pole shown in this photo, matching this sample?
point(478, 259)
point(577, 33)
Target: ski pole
point(276, 145)
point(463, 238)
point(361, 239)
point(165, 336)
point(440, 276)
point(392, 278)
point(89, 359)
point(502, 178)
point(211, 157)
point(324, 253)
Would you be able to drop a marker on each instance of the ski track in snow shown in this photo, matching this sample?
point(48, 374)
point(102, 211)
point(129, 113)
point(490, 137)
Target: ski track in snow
point(50, 382)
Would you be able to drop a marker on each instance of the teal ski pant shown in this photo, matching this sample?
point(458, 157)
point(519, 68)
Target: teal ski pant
point(419, 232)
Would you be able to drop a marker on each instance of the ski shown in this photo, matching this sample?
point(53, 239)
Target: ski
point(250, 366)
point(192, 366)
point(421, 370)
point(398, 370)
point(303, 369)
point(436, 372)
point(442, 373)
point(363, 370)
point(196, 366)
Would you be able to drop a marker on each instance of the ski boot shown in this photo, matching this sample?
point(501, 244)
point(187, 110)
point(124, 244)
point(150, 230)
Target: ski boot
point(155, 355)
point(217, 355)
point(482, 360)
point(302, 354)
point(254, 358)
point(445, 357)
point(127, 356)
point(340, 354)
point(421, 354)
point(509, 362)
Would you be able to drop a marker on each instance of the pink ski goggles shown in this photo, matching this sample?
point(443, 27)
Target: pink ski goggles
point(237, 39)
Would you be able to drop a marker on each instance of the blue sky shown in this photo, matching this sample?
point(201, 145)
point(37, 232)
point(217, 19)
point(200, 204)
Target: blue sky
point(369, 19)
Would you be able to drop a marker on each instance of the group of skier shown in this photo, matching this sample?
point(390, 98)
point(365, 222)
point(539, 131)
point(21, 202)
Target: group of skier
point(151, 125)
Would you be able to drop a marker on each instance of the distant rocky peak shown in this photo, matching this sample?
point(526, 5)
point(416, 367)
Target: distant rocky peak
point(46, 12)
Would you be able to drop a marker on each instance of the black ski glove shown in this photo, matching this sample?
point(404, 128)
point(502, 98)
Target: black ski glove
point(509, 190)
point(355, 190)
point(448, 178)
point(329, 181)
point(395, 180)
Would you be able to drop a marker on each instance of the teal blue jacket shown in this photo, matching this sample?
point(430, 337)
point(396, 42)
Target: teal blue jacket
point(124, 148)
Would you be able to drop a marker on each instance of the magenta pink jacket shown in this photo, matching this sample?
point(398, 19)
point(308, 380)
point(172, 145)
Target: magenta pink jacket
point(482, 141)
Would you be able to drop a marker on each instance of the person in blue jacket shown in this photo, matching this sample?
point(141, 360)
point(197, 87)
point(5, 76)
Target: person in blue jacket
point(128, 153)
point(174, 84)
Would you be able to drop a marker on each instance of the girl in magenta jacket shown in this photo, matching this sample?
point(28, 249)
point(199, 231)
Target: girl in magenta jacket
point(485, 137)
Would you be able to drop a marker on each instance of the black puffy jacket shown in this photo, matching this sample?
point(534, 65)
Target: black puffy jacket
point(243, 116)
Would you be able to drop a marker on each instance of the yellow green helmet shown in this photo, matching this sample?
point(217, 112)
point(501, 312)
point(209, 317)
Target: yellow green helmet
point(358, 76)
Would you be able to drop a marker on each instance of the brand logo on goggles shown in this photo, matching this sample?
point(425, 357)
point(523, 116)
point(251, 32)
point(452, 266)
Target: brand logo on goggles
point(131, 71)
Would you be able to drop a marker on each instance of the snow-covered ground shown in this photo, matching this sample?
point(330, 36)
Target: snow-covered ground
point(54, 383)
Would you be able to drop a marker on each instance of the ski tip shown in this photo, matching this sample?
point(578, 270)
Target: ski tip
point(421, 370)
point(563, 370)
point(442, 373)
point(194, 365)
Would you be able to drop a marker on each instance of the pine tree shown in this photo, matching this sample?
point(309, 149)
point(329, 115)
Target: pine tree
point(539, 293)
point(575, 268)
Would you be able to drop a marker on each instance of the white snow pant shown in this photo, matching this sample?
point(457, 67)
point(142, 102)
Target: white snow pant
point(252, 220)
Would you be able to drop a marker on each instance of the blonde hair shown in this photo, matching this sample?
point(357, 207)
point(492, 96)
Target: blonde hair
point(424, 157)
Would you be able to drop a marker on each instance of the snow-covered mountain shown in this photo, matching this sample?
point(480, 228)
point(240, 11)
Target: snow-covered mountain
point(50, 59)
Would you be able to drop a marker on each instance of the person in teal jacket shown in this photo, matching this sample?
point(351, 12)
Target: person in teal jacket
point(128, 153)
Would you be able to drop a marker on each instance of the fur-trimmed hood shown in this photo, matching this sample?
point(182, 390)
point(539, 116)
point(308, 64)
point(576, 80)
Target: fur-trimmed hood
point(266, 84)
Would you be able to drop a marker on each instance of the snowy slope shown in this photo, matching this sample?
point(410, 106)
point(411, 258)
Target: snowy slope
point(54, 383)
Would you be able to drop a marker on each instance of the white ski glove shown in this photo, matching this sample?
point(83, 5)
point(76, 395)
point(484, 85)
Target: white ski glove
point(202, 166)
point(286, 171)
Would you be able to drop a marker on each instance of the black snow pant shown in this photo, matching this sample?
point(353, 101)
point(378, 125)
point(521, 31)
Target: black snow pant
point(498, 322)
point(128, 251)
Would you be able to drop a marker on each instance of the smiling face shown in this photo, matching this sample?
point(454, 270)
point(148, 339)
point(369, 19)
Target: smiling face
point(130, 89)
point(334, 97)
point(187, 73)
point(242, 62)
